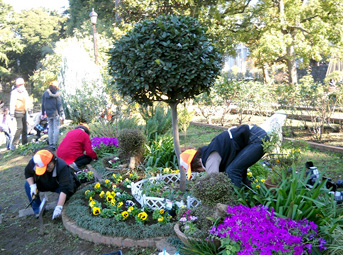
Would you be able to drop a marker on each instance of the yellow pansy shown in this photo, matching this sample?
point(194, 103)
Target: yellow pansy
point(97, 185)
point(108, 193)
point(125, 214)
point(90, 199)
point(130, 209)
point(107, 181)
point(120, 204)
point(258, 186)
point(263, 180)
point(249, 174)
point(143, 216)
point(130, 175)
point(160, 219)
point(161, 211)
point(102, 194)
point(91, 204)
point(96, 210)
point(109, 198)
point(87, 191)
point(113, 202)
point(113, 193)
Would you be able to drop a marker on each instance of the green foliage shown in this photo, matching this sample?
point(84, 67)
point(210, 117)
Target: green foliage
point(185, 118)
point(293, 199)
point(202, 247)
point(160, 153)
point(9, 42)
point(157, 120)
point(83, 106)
point(38, 30)
point(102, 129)
point(131, 143)
point(258, 170)
point(214, 188)
point(166, 59)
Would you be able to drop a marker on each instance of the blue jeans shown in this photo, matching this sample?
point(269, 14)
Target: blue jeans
point(53, 131)
point(249, 155)
point(37, 201)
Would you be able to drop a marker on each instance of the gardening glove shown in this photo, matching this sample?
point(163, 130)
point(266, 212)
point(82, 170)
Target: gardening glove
point(57, 212)
point(33, 190)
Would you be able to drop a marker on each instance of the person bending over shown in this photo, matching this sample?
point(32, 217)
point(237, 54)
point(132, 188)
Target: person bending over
point(232, 152)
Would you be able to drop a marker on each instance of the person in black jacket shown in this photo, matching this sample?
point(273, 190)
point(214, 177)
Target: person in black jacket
point(46, 172)
point(52, 109)
point(232, 152)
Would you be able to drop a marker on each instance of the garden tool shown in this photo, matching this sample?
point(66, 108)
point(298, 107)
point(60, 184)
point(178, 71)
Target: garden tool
point(33, 198)
point(41, 211)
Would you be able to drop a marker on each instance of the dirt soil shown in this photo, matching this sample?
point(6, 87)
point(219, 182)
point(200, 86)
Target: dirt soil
point(20, 235)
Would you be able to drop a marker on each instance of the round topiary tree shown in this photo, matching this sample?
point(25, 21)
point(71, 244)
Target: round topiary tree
point(167, 59)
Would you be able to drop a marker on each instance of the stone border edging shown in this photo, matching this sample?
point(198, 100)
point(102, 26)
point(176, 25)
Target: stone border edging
point(318, 146)
point(97, 238)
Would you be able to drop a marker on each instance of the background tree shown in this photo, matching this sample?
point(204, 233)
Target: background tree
point(9, 42)
point(38, 30)
point(168, 59)
point(281, 31)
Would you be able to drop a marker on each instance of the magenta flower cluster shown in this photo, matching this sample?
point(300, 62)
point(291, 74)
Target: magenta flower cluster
point(98, 142)
point(259, 231)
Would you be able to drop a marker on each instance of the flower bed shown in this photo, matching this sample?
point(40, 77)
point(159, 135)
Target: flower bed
point(258, 231)
point(157, 203)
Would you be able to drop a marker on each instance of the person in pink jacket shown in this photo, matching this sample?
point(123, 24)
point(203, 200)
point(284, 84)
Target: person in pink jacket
point(76, 149)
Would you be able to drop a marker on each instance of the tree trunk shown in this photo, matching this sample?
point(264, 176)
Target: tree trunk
point(266, 78)
point(291, 64)
point(177, 149)
point(117, 16)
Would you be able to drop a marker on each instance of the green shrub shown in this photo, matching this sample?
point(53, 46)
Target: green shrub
point(214, 188)
point(131, 143)
point(158, 121)
point(160, 153)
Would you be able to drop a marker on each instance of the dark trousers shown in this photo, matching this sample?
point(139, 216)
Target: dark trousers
point(83, 160)
point(249, 155)
point(21, 128)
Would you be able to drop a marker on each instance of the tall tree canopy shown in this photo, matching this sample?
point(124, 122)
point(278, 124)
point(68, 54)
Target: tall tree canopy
point(38, 30)
point(280, 31)
point(9, 41)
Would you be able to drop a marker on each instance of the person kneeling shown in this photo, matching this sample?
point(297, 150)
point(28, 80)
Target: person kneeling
point(46, 172)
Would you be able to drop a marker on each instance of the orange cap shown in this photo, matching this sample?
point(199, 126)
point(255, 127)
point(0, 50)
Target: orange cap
point(85, 125)
point(41, 159)
point(186, 158)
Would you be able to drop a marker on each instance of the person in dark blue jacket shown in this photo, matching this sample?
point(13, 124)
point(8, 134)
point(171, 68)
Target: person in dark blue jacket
point(53, 110)
point(232, 152)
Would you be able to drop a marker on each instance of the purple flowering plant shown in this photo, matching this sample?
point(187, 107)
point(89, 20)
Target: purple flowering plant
point(259, 231)
point(102, 145)
point(188, 224)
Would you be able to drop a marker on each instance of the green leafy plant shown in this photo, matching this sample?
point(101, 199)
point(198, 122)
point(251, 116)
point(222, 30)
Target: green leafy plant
point(160, 153)
point(158, 120)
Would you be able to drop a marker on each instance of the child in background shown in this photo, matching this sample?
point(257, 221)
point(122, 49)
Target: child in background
point(6, 126)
